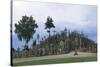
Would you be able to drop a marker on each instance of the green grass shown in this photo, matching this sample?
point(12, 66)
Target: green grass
point(55, 61)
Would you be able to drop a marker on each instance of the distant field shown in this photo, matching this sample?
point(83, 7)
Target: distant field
point(55, 61)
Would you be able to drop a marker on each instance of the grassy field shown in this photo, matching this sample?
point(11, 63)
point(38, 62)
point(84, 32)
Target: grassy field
point(55, 61)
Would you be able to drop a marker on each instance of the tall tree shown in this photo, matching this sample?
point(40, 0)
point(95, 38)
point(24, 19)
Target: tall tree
point(25, 28)
point(49, 24)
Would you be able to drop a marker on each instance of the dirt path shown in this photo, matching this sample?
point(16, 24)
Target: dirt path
point(80, 54)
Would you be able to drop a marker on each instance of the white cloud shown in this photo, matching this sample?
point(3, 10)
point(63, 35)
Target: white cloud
point(82, 17)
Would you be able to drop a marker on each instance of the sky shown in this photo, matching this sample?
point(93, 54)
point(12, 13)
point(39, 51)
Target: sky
point(72, 16)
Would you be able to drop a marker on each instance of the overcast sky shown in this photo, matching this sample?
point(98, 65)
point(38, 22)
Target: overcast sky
point(75, 17)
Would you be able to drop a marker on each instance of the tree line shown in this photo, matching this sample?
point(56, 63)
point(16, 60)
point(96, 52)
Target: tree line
point(59, 43)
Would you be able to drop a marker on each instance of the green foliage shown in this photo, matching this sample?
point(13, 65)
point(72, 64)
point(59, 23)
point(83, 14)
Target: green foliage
point(49, 24)
point(25, 28)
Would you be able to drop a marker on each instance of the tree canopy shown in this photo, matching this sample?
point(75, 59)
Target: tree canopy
point(49, 23)
point(25, 28)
